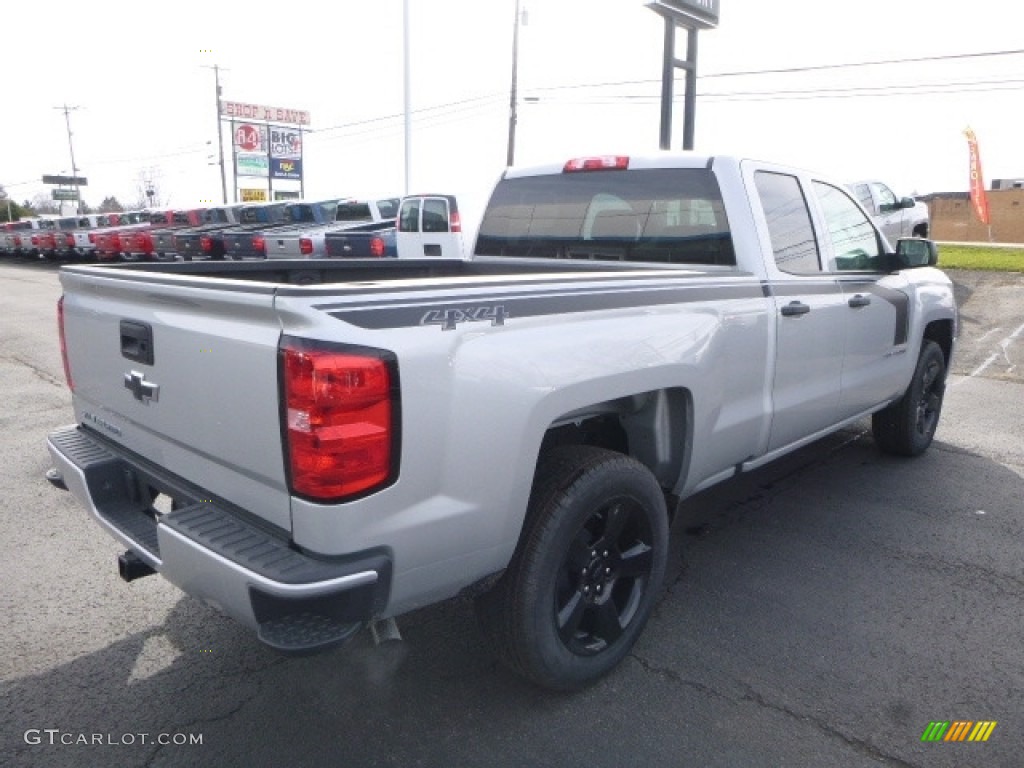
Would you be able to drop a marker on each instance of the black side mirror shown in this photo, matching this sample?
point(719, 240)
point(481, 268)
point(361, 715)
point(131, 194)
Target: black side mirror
point(914, 252)
point(907, 202)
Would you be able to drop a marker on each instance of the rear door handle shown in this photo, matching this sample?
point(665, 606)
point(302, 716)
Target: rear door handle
point(795, 308)
point(860, 300)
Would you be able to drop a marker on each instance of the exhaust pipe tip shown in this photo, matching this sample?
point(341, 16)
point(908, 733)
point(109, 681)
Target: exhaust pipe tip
point(56, 479)
point(130, 566)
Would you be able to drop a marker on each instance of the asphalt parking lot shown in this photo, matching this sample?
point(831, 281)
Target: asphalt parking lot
point(819, 612)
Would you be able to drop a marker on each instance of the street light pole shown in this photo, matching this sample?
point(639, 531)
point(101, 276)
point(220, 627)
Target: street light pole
point(513, 95)
point(407, 93)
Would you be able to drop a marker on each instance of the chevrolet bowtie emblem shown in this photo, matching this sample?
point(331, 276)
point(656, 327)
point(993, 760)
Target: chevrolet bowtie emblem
point(142, 390)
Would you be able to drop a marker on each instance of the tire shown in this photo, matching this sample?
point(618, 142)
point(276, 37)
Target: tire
point(586, 573)
point(906, 427)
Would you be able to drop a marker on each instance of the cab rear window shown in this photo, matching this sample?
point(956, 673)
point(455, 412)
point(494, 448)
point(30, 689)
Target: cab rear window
point(664, 215)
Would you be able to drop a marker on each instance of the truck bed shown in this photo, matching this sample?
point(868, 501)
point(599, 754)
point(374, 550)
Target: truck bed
point(363, 271)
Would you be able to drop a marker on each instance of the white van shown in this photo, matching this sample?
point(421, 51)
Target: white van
point(429, 227)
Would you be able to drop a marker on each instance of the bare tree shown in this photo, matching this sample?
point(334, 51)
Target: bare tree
point(44, 203)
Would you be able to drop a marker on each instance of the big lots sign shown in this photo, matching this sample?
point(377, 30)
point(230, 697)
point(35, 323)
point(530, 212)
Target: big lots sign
point(285, 142)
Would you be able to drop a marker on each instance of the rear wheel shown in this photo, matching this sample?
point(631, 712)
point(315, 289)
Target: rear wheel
point(906, 427)
point(587, 571)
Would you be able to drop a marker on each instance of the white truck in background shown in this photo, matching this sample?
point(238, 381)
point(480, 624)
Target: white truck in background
point(896, 216)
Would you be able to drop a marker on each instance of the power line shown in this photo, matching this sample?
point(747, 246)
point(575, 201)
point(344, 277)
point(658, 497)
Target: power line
point(791, 70)
point(881, 62)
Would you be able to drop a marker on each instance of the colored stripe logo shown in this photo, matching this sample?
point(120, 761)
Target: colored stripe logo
point(958, 730)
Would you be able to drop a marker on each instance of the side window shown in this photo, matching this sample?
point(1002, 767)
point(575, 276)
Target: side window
point(886, 199)
point(855, 244)
point(789, 222)
point(409, 216)
point(864, 197)
point(435, 215)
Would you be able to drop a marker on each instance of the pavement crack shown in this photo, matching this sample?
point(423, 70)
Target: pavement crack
point(39, 372)
point(752, 696)
point(864, 747)
point(196, 724)
point(675, 677)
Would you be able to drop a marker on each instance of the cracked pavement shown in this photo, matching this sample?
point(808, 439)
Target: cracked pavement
point(818, 612)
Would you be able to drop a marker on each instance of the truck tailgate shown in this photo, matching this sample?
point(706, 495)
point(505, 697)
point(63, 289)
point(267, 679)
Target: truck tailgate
point(183, 376)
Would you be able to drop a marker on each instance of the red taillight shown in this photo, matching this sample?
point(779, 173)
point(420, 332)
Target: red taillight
point(64, 344)
point(17, 241)
point(454, 222)
point(376, 247)
point(92, 238)
point(602, 163)
point(206, 244)
point(259, 244)
point(35, 240)
point(146, 242)
point(339, 421)
point(305, 246)
point(69, 241)
point(114, 243)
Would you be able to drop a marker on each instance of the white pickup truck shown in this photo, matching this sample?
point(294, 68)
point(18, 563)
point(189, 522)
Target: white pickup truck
point(313, 447)
point(896, 216)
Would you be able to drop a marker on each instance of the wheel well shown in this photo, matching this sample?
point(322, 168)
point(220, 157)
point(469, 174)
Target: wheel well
point(921, 230)
point(941, 332)
point(651, 427)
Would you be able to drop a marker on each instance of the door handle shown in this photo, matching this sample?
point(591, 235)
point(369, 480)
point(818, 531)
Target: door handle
point(795, 308)
point(860, 300)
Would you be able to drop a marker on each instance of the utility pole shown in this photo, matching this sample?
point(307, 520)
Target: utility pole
point(74, 168)
point(407, 92)
point(513, 95)
point(220, 135)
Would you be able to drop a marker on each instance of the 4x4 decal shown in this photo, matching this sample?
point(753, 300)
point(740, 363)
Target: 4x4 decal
point(450, 317)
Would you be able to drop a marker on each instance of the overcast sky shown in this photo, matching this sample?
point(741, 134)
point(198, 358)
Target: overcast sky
point(589, 81)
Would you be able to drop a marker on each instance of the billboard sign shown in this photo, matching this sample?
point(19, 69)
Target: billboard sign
point(64, 194)
point(285, 168)
point(700, 14)
point(250, 138)
point(70, 181)
point(243, 111)
point(285, 142)
point(251, 165)
point(279, 195)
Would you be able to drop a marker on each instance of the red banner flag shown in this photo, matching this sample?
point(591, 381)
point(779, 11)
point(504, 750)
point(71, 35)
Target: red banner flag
point(979, 198)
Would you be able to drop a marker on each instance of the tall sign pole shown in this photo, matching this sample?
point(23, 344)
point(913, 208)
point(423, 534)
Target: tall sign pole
point(220, 134)
point(693, 15)
point(220, 139)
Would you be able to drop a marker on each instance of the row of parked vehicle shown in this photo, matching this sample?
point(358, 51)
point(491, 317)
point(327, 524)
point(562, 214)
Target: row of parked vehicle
point(428, 225)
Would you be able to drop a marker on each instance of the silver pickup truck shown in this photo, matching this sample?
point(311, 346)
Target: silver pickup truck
point(313, 447)
point(896, 216)
point(310, 242)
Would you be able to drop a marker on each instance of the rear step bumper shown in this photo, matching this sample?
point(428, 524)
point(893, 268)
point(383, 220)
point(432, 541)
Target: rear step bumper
point(297, 602)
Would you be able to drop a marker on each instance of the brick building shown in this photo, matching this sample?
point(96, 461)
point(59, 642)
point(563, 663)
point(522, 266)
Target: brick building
point(953, 216)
